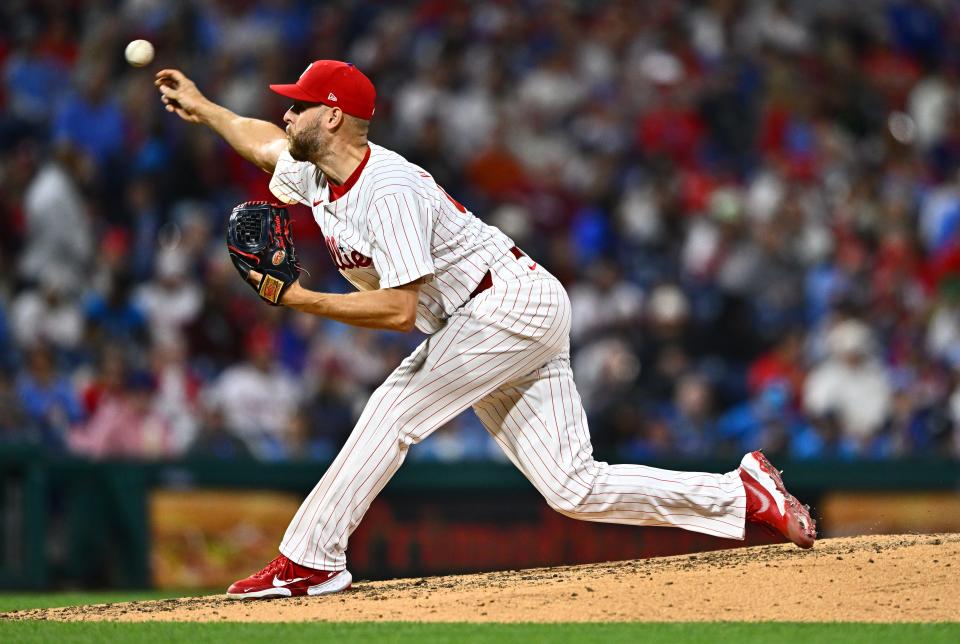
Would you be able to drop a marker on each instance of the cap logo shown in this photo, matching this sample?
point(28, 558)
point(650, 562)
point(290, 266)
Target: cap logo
point(332, 97)
point(305, 71)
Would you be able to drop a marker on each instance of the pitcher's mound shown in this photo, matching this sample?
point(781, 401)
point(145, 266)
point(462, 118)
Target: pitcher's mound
point(904, 578)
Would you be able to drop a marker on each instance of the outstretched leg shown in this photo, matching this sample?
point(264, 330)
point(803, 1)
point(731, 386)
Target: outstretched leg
point(539, 422)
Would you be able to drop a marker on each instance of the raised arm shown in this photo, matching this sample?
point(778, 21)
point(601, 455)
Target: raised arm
point(259, 142)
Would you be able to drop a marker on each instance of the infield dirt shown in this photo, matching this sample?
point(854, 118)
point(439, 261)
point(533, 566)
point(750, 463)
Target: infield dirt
point(903, 578)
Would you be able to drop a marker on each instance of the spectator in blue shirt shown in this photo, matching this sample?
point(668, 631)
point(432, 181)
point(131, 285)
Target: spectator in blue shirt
point(114, 316)
point(33, 80)
point(48, 399)
point(691, 417)
point(823, 438)
point(765, 421)
point(90, 119)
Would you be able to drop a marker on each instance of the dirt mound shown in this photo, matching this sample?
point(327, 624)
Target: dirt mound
point(904, 578)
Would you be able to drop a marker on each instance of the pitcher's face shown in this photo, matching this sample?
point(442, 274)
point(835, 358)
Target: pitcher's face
point(307, 140)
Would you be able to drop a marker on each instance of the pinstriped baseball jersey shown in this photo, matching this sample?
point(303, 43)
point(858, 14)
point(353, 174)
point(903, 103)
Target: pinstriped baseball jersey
point(395, 225)
point(503, 350)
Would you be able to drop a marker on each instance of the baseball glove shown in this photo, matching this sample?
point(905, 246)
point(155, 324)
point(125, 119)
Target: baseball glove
point(259, 238)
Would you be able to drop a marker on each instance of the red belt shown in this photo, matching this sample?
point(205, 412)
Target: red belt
point(487, 280)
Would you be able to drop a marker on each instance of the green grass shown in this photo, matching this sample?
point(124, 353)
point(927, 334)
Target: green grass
point(386, 632)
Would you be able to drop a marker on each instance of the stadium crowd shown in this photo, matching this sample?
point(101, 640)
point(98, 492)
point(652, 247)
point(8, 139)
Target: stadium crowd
point(754, 205)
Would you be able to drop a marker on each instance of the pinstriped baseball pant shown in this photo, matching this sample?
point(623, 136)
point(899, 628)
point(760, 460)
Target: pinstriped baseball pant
point(506, 354)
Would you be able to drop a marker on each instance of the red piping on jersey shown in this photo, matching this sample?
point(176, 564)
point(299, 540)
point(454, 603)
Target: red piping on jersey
point(338, 190)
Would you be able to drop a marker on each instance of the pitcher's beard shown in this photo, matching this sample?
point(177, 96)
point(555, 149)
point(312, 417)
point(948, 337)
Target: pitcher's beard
point(305, 147)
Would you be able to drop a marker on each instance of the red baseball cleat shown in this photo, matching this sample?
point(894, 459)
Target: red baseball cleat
point(769, 503)
point(284, 578)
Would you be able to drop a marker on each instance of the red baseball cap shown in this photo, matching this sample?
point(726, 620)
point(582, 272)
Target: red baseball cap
point(335, 84)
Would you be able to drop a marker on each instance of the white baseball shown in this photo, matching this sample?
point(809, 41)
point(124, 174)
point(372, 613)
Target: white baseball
point(139, 53)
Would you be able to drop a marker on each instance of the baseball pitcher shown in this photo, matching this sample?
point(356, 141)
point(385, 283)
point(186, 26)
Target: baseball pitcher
point(498, 325)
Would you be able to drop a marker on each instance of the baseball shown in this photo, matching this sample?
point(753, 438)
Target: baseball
point(139, 53)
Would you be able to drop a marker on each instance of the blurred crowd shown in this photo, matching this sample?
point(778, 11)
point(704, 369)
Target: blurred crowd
point(754, 205)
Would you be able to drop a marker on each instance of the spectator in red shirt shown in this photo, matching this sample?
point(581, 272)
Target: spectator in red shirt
point(783, 363)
